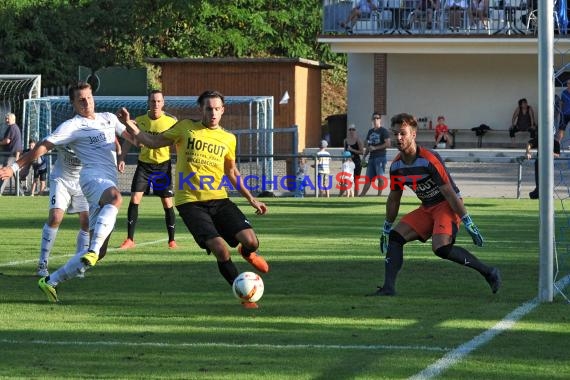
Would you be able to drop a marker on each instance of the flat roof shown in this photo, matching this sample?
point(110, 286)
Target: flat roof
point(302, 61)
point(439, 45)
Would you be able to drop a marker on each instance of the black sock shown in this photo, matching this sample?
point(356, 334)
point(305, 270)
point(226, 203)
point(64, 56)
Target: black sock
point(132, 218)
point(393, 264)
point(246, 251)
point(228, 270)
point(536, 173)
point(464, 257)
point(170, 219)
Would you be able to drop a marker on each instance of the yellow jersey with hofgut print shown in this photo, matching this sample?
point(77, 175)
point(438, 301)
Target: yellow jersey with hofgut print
point(154, 126)
point(201, 155)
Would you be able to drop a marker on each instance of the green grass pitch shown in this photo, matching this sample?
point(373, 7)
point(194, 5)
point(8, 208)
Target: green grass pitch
point(154, 313)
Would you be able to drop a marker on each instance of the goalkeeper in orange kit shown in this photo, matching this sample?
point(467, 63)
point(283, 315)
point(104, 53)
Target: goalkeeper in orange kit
point(438, 217)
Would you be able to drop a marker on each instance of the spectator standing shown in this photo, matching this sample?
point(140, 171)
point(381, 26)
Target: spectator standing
point(302, 171)
point(39, 166)
point(151, 162)
point(12, 142)
point(533, 144)
point(377, 141)
point(354, 144)
point(347, 176)
point(323, 169)
point(564, 110)
point(25, 170)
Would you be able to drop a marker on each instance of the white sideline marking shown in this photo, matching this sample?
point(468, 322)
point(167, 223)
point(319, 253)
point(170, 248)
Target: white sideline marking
point(15, 263)
point(456, 355)
point(228, 345)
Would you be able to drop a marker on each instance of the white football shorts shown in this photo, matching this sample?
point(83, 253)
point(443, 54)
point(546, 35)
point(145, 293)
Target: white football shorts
point(67, 195)
point(93, 190)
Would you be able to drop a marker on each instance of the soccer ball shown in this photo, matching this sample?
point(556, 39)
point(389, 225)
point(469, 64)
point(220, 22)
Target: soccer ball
point(248, 287)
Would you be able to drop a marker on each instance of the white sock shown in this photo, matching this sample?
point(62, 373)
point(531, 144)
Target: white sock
point(82, 241)
point(72, 268)
point(103, 227)
point(48, 240)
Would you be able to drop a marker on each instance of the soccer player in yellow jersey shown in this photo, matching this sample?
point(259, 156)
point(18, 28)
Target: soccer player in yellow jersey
point(205, 168)
point(153, 167)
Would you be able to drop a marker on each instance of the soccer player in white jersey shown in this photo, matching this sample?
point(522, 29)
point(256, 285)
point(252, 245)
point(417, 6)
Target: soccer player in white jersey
point(92, 137)
point(64, 195)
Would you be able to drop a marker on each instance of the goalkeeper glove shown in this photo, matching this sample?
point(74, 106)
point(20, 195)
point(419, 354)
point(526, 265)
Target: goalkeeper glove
point(473, 230)
point(384, 237)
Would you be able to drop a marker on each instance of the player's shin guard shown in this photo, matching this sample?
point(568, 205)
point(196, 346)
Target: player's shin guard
point(229, 270)
point(103, 227)
point(132, 218)
point(394, 260)
point(462, 256)
point(48, 240)
point(82, 241)
point(170, 219)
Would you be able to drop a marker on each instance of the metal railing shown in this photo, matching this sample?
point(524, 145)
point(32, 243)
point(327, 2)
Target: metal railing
point(499, 18)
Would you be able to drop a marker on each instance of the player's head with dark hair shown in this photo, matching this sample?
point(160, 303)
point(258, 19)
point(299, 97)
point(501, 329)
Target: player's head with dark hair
point(402, 119)
point(81, 97)
point(522, 101)
point(208, 94)
point(77, 87)
point(212, 107)
point(152, 92)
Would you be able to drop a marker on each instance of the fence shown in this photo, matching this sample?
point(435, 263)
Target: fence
point(496, 177)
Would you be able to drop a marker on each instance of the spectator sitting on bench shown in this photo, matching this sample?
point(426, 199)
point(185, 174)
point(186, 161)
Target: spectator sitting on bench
point(523, 120)
point(363, 9)
point(442, 134)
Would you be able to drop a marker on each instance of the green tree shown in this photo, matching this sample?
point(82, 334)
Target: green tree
point(54, 37)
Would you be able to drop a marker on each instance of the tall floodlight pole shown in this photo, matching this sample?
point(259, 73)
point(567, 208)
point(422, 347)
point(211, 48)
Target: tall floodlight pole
point(545, 148)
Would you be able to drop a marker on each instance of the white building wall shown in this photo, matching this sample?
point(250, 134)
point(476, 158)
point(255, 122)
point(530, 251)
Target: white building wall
point(468, 89)
point(360, 91)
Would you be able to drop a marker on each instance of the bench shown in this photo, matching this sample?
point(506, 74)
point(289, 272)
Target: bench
point(466, 138)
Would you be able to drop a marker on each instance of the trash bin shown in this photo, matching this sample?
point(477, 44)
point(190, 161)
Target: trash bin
point(337, 129)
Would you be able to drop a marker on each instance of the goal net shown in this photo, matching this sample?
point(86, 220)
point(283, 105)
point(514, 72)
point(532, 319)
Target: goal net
point(242, 114)
point(562, 224)
point(14, 89)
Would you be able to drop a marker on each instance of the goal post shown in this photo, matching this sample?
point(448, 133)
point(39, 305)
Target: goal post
point(14, 89)
point(253, 114)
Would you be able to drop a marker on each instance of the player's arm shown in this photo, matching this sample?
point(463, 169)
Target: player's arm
point(232, 173)
point(393, 204)
point(148, 140)
point(454, 201)
point(26, 159)
point(457, 206)
point(125, 147)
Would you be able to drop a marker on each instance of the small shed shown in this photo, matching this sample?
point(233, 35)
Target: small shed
point(294, 83)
